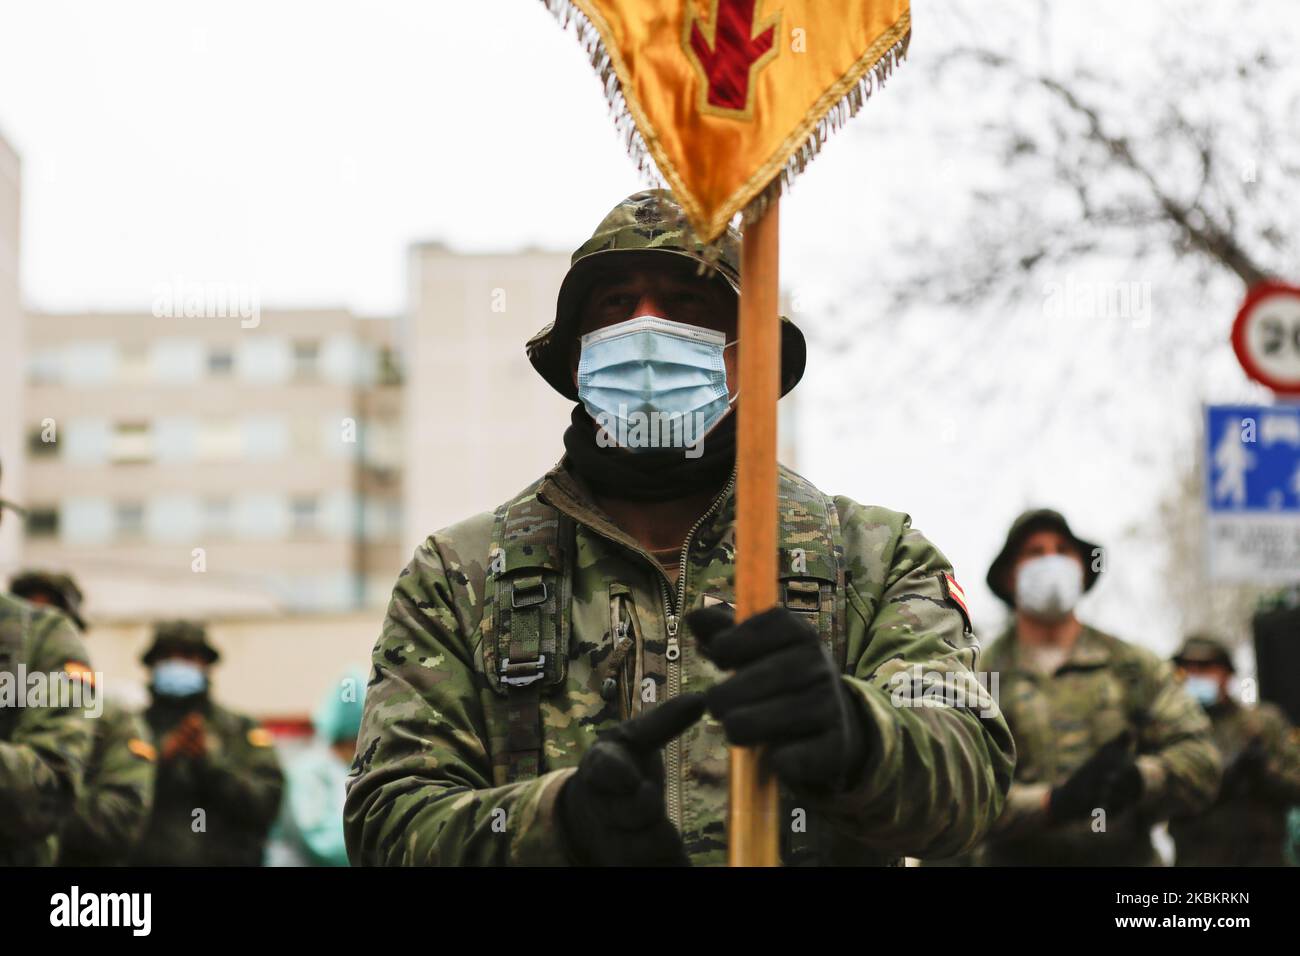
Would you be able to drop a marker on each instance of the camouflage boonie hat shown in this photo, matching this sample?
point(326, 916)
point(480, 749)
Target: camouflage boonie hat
point(1204, 649)
point(185, 636)
point(1039, 519)
point(59, 589)
point(649, 221)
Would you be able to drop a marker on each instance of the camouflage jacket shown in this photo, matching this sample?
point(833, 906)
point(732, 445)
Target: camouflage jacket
point(45, 743)
point(1246, 826)
point(237, 786)
point(428, 785)
point(1104, 687)
point(118, 793)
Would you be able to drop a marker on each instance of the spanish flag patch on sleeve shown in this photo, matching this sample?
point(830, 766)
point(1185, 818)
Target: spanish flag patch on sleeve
point(957, 597)
point(141, 749)
point(80, 671)
point(260, 737)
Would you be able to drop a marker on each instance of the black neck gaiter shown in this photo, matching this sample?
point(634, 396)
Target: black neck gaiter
point(653, 475)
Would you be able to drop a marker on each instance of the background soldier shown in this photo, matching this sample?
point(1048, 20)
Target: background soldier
point(1099, 724)
point(43, 748)
point(219, 779)
point(535, 661)
point(310, 829)
point(1246, 826)
point(118, 791)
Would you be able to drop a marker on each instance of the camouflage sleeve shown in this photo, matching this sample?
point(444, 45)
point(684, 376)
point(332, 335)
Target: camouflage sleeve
point(941, 755)
point(43, 761)
point(421, 791)
point(1280, 779)
point(244, 775)
point(114, 806)
point(1179, 763)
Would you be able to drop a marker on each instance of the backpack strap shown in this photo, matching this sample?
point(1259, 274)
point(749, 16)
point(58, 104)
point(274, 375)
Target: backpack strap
point(526, 624)
point(811, 572)
point(811, 562)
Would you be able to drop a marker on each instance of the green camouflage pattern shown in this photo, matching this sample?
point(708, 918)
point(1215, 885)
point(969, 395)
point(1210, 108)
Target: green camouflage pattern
point(1104, 687)
point(114, 806)
point(647, 221)
point(1249, 827)
point(61, 590)
point(237, 786)
point(44, 750)
point(428, 784)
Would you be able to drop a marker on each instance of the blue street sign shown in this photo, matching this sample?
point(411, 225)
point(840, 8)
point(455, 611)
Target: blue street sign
point(1252, 459)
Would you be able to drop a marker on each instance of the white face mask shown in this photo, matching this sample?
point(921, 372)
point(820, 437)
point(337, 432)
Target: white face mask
point(1049, 587)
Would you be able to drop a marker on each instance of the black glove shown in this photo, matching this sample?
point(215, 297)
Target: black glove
point(1109, 779)
point(1245, 769)
point(612, 808)
point(786, 694)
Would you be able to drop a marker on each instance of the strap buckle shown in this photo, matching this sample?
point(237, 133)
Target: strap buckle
point(533, 593)
point(538, 667)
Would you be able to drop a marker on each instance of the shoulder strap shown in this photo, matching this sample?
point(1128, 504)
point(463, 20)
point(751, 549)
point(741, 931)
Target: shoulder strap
point(526, 623)
point(811, 571)
point(811, 565)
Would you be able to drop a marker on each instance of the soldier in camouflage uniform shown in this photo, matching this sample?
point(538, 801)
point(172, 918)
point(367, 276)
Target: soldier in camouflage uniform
point(1246, 826)
point(219, 780)
point(536, 661)
point(118, 791)
point(44, 748)
point(1107, 742)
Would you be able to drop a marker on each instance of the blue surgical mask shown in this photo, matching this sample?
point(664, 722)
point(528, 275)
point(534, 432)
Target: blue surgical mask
point(652, 383)
point(178, 678)
point(1204, 689)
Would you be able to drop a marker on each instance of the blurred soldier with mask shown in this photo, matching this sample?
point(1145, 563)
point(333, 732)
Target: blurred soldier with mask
point(1107, 742)
point(45, 744)
point(114, 805)
point(219, 779)
point(1247, 825)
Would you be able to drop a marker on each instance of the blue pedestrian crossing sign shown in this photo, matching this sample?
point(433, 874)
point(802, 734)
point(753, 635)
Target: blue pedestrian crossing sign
point(1252, 492)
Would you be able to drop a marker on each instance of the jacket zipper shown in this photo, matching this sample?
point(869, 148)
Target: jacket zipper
point(673, 654)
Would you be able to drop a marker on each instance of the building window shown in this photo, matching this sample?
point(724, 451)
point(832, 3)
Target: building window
point(43, 522)
point(220, 440)
point(390, 372)
point(38, 447)
point(43, 367)
point(132, 444)
point(218, 517)
point(306, 356)
point(304, 510)
point(221, 361)
point(133, 364)
point(129, 519)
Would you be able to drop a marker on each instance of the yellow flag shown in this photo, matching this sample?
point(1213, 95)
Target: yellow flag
point(731, 98)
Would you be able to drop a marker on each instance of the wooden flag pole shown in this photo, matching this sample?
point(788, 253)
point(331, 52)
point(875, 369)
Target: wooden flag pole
point(752, 838)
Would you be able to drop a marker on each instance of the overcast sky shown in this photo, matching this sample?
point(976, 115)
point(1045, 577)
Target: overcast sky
point(300, 147)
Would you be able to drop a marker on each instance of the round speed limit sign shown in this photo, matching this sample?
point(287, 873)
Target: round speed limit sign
point(1266, 336)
